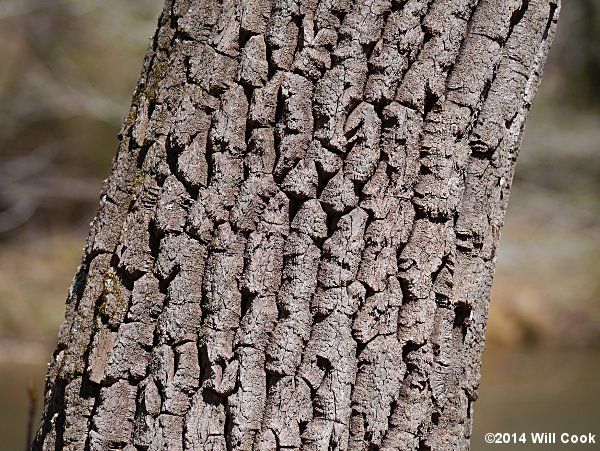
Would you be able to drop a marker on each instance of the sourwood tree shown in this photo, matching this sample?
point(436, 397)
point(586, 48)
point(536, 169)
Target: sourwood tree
point(296, 243)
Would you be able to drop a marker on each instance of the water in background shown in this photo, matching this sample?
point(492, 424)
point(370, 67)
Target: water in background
point(537, 390)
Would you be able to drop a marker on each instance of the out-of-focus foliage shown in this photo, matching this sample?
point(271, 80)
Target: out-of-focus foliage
point(67, 71)
point(573, 70)
point(583, 61)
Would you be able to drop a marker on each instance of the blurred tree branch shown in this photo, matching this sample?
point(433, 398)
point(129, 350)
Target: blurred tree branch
point(23, 190)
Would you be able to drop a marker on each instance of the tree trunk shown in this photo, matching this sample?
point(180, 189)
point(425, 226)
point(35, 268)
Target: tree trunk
point(295, 246)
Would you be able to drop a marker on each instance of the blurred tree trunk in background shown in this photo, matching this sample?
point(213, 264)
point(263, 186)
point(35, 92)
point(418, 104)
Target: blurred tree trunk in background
point(296, 243)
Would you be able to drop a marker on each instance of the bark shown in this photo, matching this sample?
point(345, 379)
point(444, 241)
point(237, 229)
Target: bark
point(295, 246)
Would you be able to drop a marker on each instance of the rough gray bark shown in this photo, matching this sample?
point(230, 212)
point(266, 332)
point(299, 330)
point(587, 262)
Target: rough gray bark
point(296, 244)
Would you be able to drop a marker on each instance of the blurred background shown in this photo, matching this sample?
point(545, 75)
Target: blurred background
point(67, 72)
